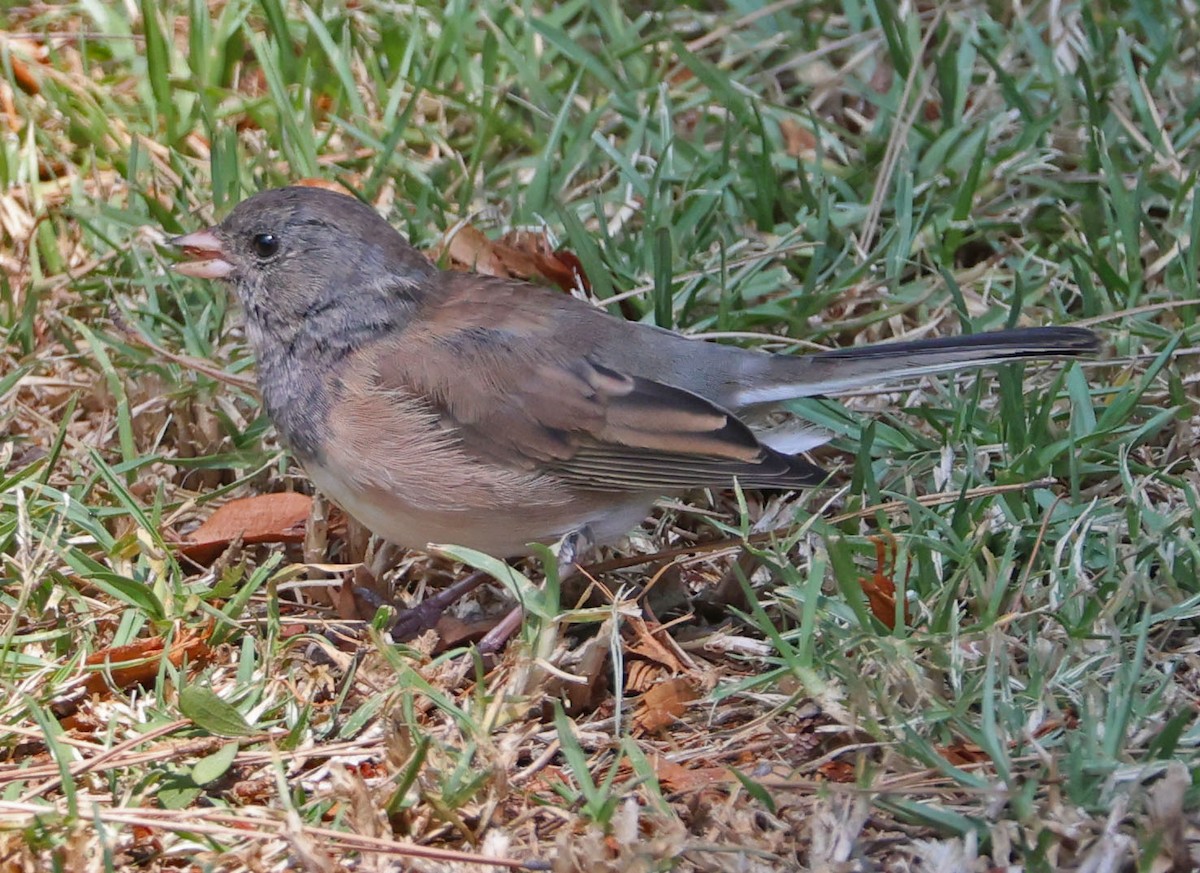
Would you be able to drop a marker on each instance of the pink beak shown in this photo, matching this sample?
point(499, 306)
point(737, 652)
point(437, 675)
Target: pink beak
point(205, 255)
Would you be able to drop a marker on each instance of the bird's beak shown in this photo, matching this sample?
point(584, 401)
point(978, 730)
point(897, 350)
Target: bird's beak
point(206, 257)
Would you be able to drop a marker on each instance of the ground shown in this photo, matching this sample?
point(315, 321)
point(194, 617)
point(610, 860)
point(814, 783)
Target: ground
point(976, 651)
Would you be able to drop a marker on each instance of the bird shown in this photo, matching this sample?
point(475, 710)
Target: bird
point(447, 407)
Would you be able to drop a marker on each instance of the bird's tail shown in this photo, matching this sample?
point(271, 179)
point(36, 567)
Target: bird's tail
point(882, 364)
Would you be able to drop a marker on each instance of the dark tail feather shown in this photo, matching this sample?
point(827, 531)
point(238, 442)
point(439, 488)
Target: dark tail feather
point(883, 364)
point(1028, 342)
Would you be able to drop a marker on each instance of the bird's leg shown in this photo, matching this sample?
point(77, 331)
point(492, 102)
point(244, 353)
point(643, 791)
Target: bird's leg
point(572, 550)
point(415, 620)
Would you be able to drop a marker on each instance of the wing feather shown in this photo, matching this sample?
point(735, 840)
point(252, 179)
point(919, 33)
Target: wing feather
point(512, 393)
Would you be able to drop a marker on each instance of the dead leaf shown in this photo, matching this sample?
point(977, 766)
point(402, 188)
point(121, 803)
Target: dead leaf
point(322, 183)
point(528, 255)
point(663, 704)
point(587, 660)
point(680, 75)
point(345, 604)
point(1168, 815)
point(26, 56)
point(266, 518)
point(519, 254)
point(24, 78)
point(454, 632)
point(650, 648)
point(641, 676)
point(837, 771)
point(470, 248)
point(880, 587)
point(677, 777)
point(962, 753)
point(138, 663)
point(882, 77)
point(798, 140)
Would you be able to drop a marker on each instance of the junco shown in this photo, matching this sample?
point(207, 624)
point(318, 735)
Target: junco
point(442, 407)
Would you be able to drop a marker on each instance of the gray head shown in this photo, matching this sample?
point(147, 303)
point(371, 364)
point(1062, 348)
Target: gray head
point(291, 252)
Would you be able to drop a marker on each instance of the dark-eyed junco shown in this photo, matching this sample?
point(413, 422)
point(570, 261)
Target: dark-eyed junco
point(441, 407)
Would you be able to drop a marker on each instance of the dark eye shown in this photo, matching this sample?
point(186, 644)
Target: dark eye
point(266, 245)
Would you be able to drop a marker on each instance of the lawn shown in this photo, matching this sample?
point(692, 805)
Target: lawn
point(974, 651)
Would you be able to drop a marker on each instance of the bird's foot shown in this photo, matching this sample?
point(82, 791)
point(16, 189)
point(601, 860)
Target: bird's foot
point(572, 551)
point(414, 621)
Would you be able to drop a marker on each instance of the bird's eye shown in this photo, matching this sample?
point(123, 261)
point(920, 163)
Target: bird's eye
point(266, 245)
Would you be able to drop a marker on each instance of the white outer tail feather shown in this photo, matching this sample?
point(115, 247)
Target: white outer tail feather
point(878, 381)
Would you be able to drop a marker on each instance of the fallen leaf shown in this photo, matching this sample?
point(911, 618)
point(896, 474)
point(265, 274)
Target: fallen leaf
point(138, 663)
point(880, 587)
point(528, 255)
point(649, 647)
point(266, 518)
point(322, 183)
point(677, 777)
point(24, 78)
point(663, 704)
point(26, 56)
point(588, 660)
point(797, 139)
point(881, 597)
point(680, 76)
point(1169, 818)
point(250, 792)
point(520, 254)
point(454, 632)
point(837, 771)
point(470, 248)
point(882, 77)
point(961, 753)
point(641, 676)
point(345, 604)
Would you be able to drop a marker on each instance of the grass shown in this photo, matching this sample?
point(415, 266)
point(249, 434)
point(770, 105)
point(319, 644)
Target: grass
point(776, 175)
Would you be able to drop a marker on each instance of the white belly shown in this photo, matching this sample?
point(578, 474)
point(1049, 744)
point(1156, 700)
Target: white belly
point(502, 532)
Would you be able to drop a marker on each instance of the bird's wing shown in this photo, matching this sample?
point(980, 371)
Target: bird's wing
point(489, 361)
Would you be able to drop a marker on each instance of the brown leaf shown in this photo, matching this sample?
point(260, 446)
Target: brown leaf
point(641, 676)
point(680, 75)
point(518, 255)
point(142, 660)
point(567, 264)
point(266, 518)
point(519, 263)
point(454, 632)
point(26, 55)
point(322, 183)
point(250, 792)
point(1169, 819)
point(528, 255)
point(837, 771)
point(961, 753)
point(345, 604)
point(880, 588)
point(677, 777)
point(797, 139)
point(881, 79)
point(470, 248)
point(649, 647)
point(24, 78)
point(663, 704)
point(881, 597)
